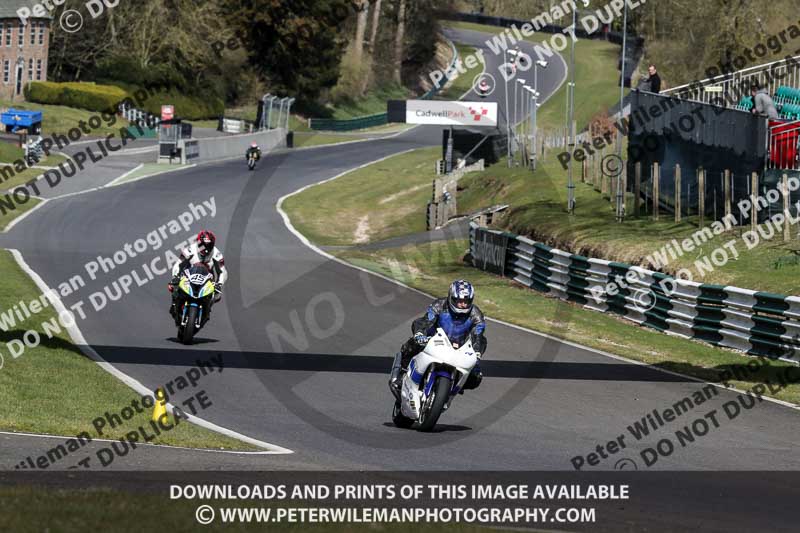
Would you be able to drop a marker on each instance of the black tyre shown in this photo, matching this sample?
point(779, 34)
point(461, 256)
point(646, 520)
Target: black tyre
point(433, 407)
point(399, 419)
point(187, 333)
point(251, 164)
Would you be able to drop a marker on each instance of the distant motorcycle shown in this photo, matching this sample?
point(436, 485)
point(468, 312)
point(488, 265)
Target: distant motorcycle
point(196, 292)
point(433, 378)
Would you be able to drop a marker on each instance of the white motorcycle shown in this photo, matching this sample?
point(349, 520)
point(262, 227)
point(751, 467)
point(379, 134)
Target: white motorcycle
point(434, 377)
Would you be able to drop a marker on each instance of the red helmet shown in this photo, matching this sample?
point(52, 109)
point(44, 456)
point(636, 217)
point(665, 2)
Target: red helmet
point(205, 243)
point(253, 144)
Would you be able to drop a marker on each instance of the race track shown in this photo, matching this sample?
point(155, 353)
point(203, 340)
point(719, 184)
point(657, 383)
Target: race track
point(320, 389)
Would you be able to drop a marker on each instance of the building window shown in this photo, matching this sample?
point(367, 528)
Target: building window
point(30, 69)
point(6, 70)
point(33, 33)
point(21, 34)
point(42, 26)
point(38, 69)
point(2, 31)
point(8, 33)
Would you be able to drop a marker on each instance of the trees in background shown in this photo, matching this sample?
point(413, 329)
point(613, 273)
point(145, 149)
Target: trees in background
point(238, 49)
point(683, 37)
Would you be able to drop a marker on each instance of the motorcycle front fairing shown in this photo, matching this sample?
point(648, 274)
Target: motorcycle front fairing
point(196, 288)
point(439, 357)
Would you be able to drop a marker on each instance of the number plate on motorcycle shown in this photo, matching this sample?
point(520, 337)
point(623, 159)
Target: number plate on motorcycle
point(197, 279)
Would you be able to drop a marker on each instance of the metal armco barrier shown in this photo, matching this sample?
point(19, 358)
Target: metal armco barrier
point(331, 124)
point(757, 323)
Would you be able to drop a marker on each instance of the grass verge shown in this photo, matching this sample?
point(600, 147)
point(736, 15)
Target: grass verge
point(537, 210)
point(54, 389)
point(463, 82)
point(20, 178)
point(384, 200)
point(33, 510)
point(61, 119)
point(20, 209)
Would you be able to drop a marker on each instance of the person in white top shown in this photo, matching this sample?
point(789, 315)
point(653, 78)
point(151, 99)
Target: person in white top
point(205, 252)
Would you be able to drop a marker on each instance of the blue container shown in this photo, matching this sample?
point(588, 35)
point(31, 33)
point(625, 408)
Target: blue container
point(14, 119)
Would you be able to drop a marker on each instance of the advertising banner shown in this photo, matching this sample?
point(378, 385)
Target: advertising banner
point(489, 251)
point(445, 113)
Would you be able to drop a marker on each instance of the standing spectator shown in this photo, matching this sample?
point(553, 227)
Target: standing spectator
point(762, 101)
point(654, 80)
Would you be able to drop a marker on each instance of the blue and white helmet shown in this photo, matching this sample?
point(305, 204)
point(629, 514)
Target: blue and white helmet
point(460, 298)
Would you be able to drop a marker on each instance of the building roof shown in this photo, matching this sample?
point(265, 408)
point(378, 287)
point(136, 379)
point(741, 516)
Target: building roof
point(8, 8)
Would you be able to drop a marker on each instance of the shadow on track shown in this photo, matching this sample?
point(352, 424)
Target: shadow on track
point(374, 364)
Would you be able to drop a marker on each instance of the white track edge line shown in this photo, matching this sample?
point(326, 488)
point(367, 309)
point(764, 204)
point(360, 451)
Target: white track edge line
point(23, 216)
point(80, 342)
point(63, 437)
point(125, 175)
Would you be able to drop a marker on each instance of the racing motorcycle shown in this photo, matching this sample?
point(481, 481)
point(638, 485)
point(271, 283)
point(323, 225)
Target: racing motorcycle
point(251, 161)
point(196, 292)
point(434, 377)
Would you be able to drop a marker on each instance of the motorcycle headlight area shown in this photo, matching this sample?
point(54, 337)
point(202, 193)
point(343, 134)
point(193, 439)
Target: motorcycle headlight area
point(207, 290)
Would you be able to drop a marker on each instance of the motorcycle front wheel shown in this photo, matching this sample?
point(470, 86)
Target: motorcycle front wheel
point(186, 333)
point(434, 405)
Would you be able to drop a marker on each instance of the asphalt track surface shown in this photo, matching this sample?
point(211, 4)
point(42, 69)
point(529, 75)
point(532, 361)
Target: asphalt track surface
point(322, 393)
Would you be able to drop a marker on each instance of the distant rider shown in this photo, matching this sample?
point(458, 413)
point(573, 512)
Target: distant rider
point(459, 318)
point(203, 251)
point(254, 149)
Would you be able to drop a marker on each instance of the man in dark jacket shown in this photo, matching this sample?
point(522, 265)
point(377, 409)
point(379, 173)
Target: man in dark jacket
point(459, 318)
point(654, 80)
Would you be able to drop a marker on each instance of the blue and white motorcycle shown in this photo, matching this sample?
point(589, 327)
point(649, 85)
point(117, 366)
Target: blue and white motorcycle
point(434, 377)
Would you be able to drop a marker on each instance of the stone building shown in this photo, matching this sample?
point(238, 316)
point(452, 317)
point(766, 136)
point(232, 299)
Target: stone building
point(23, 47)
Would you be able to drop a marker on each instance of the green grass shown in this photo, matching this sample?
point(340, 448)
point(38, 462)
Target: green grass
point(537, 210)
point(384, 200)
point(463, 82)
point(432, 267)
point(213, 124)
point(54, 389)
point(20, 178)
point(372, 103)
point(61, 119)
point(10, 152)
point(26, 509)
point(7, 217)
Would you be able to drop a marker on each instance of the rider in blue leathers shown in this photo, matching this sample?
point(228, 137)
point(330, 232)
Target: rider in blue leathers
point(458, 317)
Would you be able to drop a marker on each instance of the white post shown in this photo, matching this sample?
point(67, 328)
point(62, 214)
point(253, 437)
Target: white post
point(508, 119)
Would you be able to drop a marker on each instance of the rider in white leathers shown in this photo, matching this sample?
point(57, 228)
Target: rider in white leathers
point(203, 251)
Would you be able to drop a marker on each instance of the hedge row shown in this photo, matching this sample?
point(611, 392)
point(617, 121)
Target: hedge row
point(102, 98)
point(186, 107)
point(73, 94)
